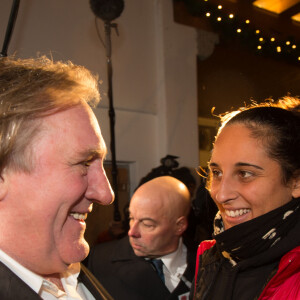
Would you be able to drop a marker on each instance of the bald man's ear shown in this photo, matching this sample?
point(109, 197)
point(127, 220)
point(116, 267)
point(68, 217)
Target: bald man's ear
point(181, 225)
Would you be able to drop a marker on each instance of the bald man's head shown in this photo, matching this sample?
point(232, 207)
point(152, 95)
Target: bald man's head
point(158, 216)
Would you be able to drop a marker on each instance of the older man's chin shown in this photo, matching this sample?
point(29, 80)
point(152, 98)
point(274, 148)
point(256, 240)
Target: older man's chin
point(76, 253)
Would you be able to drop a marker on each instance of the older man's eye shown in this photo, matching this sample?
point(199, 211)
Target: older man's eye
point(87, 163)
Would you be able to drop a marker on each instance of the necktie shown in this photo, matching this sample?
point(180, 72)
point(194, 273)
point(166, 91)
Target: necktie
point(158, 265)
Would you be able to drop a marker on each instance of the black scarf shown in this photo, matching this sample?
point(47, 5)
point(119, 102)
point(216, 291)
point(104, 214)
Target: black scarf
point(253, 237)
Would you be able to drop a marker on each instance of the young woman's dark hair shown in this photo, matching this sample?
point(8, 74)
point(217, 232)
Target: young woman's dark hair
point(277, 125)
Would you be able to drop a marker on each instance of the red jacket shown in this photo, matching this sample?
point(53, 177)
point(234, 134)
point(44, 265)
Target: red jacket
point(285, 284)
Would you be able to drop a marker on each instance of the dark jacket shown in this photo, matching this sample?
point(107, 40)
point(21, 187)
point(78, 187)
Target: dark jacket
point(269, 281)
point(14, 288)
point(127, 276)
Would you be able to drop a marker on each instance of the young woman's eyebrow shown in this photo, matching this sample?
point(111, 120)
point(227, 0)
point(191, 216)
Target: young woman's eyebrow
point(242, 164)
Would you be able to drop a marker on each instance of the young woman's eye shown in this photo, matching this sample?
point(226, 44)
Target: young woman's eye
point(245, 174)
point(216, 173)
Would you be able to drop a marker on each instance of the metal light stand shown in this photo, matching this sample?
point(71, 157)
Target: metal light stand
point(114, 171)
point(10, 26)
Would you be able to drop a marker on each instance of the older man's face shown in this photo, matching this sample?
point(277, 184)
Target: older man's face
point(48, 206)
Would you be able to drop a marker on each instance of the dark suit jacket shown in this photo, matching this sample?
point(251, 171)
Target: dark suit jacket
point(14, 288)
point(127, 276)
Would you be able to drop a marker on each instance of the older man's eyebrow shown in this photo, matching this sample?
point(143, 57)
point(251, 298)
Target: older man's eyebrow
point(92, 153)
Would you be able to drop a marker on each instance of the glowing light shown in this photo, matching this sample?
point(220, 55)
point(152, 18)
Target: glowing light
point(294, 46)
point(261, 39)
point(259, 47)
point(247, 21)
point(257, 31)
point(219, 6)
point(288, 43)
point(239, 30)
point(231, 16)
point(219, 19)
point(276, 7)
point(278, 49)
point(272, 39)
point(208, 14)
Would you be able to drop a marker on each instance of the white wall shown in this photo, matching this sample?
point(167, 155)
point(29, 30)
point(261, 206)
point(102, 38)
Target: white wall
point(154, 65)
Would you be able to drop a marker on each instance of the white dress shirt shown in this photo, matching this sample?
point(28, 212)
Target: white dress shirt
point(46, 289)
point(174, 266)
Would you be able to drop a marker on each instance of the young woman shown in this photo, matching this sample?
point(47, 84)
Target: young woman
point(255, 182)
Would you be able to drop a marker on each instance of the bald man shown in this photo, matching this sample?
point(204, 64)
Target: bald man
point(158, 218)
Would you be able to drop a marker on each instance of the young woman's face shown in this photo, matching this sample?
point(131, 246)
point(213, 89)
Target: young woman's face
point(245, 182)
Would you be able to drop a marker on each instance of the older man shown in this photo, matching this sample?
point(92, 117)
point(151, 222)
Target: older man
point(158, 218)
point(51, 164)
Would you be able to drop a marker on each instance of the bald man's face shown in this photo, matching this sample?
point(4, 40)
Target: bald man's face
point(152, 232)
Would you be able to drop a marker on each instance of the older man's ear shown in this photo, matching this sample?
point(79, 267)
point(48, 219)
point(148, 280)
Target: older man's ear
point(181, 225)
point(3, 186)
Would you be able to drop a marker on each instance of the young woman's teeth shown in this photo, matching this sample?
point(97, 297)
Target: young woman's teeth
point(78, 216)
point(236, 213)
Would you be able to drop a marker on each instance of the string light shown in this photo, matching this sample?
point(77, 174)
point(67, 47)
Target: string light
point(285, 48)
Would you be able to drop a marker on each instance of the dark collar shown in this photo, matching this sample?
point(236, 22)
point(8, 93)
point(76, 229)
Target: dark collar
point(93, 285)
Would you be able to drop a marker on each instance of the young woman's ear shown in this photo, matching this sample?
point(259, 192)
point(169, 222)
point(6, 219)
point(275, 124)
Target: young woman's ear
point(296, 187)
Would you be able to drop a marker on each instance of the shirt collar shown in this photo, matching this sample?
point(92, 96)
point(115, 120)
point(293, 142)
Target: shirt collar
point(37, 282)
point(175, 259)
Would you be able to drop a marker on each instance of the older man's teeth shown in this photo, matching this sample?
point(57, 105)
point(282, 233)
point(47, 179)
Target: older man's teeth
point(78, 216)
point(236, 213)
